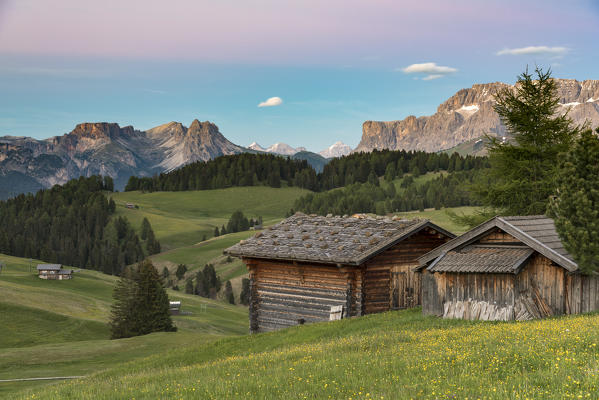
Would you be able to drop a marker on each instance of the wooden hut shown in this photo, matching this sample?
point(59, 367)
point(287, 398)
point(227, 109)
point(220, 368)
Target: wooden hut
point(53, 272)
point(507, 268)
point(311, 268)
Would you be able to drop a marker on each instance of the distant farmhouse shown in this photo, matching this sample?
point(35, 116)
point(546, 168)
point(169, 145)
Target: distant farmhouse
point(509, 268)
point(311, 268)
point(53, 271)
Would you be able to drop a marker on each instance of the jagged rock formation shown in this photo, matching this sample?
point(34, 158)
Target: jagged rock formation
point(469, 115)
point(28, 164)
point(337, 149)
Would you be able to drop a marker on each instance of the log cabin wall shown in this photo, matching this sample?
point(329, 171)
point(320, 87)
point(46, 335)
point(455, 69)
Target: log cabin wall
point(544, 281)
point(582, 293)
point(390, 281)
point(286, 294)
point(444, 290)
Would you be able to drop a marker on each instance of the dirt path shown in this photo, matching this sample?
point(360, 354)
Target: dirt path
point(50, 378)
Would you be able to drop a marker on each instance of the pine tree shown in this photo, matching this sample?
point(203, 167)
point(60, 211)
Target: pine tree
point(229, 295)
point(122, 315)
point(145, 229)
point(181, 270)
point(216, 234)
point(165, 273)
point(151, 302)
point(521, 177)
point(244, 296)
point(575, 207)
point(189, 286)
point(141, 305)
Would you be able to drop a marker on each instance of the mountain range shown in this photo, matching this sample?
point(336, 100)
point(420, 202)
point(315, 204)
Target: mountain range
point(338, 149)
point(468, 115)
point(460, 123)
point(28, 164)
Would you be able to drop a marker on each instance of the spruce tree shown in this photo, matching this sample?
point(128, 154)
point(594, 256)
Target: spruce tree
point(244, 296)
point(521, 177)
point(575, 207)
point(229, 295)
point(145, 229)
point(141, 305)
point(151, 301)
point(181, 270)
point(189, 286)
point(122, 314)
point(165, 273)
point(216, 234)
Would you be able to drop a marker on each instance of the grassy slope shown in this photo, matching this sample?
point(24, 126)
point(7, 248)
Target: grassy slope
point(182, 218)
point(58, 328)
point(386, 356)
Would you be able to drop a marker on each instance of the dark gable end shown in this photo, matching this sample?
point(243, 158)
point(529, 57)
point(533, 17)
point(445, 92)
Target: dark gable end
point(537, 232)
point(330, 240)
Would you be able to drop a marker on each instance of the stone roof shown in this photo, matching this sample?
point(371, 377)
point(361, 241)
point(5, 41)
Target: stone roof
point(487, 259)
point(535, 231)
point(49, 267)
point(329, 240)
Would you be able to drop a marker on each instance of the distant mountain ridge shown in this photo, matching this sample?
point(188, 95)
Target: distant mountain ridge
point(107, 149)
point(468, 115)
point(337, 149)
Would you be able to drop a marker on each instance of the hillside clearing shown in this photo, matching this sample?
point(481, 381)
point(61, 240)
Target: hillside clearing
point(182, 218)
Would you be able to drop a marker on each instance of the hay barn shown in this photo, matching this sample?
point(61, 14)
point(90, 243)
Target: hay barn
point(507, 268)
point(310, 268)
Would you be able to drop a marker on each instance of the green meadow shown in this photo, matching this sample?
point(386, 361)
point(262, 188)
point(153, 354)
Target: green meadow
point(59, 328)
point(181, 219)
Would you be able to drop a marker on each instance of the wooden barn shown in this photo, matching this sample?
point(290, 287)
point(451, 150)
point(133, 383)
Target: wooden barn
point(311, 268)
point(507, 268)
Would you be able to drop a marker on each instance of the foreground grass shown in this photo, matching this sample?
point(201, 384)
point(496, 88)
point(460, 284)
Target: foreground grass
point(390, 356)
point(182, 218)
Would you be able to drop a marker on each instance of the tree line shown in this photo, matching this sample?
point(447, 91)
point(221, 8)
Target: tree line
point(270, 170)
point(70, 224)
point(227, 171)
point(446, 190)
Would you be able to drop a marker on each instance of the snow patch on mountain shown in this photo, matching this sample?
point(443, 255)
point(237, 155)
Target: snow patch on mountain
point(337, 149)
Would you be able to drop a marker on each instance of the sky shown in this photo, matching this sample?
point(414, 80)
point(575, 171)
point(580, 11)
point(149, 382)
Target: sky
point(307, 73)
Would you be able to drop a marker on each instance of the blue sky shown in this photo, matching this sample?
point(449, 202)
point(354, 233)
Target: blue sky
point(334, 65)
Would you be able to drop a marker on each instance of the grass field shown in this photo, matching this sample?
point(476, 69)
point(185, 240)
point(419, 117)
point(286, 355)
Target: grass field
point(181, 219)
point(441, 218)
point(59, 328)
point(395, 355)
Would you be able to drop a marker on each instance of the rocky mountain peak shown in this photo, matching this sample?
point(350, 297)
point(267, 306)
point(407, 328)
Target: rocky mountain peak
point(99, 130)
point(469, 115)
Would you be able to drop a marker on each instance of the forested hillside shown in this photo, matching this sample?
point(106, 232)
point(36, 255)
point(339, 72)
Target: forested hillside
point(69, 224)
point(229, 171)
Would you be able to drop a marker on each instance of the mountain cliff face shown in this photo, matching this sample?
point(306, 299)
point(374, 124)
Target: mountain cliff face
point(468, 115)
point(28, 164)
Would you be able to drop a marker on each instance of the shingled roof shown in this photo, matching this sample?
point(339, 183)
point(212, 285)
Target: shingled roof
point(535, 231)
point(329, 240)
point(49, 267)
point(484, 259)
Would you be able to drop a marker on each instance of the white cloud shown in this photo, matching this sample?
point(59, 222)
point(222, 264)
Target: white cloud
point(535, 50)
point(432, 76)
point(271, 102)
point(430, 69)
